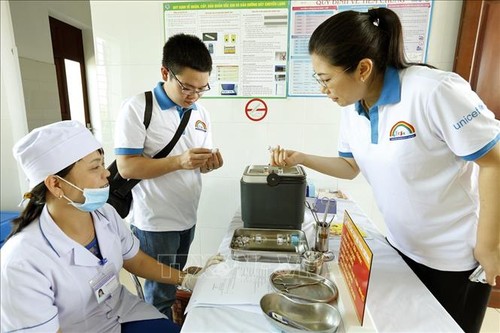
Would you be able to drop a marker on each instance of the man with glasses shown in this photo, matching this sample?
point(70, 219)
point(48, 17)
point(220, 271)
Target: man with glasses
point(165, 202)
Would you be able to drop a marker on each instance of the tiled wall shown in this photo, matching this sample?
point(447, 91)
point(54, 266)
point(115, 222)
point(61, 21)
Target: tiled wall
point(40, 92)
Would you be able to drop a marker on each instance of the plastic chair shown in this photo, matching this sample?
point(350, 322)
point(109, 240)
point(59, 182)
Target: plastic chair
point(138, 286)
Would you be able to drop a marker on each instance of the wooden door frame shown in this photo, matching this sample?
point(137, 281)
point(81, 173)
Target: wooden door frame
point(469, 44)
point(467, 39)
point(59, 34)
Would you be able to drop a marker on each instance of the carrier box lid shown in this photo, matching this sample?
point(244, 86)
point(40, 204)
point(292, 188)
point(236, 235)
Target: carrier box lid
point(262, 174)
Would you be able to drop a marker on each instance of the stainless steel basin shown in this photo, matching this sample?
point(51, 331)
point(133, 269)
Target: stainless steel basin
point(294, 316)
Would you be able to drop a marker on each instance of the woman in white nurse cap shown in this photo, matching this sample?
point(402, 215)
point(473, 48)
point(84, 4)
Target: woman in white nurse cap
point(64, 165)
point(65, 250)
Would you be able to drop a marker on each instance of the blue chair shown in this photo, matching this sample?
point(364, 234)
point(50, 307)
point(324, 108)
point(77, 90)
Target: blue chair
point(5, 226)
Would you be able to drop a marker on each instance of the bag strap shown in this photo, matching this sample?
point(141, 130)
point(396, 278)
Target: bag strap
point(125, 188)
point(148, 112)
point(168, 148)
point(113, 168)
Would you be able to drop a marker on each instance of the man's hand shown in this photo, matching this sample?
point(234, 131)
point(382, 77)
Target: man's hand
point(214, 162)
point(194, 158)
point(283, 157)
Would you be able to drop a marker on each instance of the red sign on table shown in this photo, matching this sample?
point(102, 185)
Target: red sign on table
point(355, 260)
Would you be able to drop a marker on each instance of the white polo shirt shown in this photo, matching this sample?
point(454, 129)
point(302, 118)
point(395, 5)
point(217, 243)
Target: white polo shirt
point(168, 202)
point(416, 150)
point(45, 279)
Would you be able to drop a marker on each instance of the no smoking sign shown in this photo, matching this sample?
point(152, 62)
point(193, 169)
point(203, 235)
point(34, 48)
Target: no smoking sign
point(256, 109)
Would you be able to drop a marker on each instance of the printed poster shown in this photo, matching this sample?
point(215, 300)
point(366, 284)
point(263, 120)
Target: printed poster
point(248, 42)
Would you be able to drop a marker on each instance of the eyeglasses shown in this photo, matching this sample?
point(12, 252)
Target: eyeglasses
point(324, 83)
point(189, 91)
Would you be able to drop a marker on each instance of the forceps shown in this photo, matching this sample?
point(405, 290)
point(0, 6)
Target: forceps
point(287, 286)
point(327, 202)
point(313, 212)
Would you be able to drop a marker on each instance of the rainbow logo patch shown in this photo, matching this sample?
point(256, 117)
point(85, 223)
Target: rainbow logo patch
point(200, 126)
point(402, 131)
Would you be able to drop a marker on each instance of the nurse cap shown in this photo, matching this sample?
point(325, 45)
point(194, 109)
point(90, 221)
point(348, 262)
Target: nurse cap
point(49, 149)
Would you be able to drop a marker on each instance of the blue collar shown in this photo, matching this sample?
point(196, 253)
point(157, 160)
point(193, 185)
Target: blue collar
point(391, 91)
point(164, 101)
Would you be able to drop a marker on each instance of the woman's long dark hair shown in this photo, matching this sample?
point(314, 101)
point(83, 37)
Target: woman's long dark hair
point(348, 37)
point(35, 204)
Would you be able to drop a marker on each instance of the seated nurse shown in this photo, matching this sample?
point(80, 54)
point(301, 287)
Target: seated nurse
point(60, 265)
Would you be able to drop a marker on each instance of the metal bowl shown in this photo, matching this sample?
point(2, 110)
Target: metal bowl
point(312, 261)
point(293, 316)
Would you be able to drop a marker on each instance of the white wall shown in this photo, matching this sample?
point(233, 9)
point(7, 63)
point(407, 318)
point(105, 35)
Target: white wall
point(32, 34)
point(130, 35)
point(127, 39)
point(29, 87)
point(13, 115)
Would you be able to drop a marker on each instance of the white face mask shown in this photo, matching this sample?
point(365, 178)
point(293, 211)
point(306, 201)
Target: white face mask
point(95, 198)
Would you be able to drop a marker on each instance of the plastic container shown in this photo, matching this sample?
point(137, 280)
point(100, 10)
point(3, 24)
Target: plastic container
point(182, 298)
point(273, 197)
point(5, 224)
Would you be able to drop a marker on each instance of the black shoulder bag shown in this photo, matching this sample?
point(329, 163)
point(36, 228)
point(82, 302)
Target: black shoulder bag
point(120, 191)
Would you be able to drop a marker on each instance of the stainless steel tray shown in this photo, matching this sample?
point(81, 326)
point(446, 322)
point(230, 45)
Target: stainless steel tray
point(294, 316)
point(304, 286)
point(268, 245)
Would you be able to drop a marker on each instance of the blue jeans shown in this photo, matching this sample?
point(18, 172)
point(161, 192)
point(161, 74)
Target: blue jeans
point(170, 248)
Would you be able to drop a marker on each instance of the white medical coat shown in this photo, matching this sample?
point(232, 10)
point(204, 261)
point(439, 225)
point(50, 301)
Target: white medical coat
point(45, 279)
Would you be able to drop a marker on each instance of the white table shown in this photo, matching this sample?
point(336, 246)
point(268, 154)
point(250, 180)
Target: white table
point(396, 302)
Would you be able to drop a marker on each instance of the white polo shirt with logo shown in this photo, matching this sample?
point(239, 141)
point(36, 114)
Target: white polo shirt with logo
point(416, 149)
point(169, 202)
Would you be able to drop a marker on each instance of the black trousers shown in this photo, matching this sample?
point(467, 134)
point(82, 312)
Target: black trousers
point(464, 300)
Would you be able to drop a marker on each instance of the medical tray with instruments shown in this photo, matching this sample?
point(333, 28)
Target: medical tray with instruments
point(268, 245)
